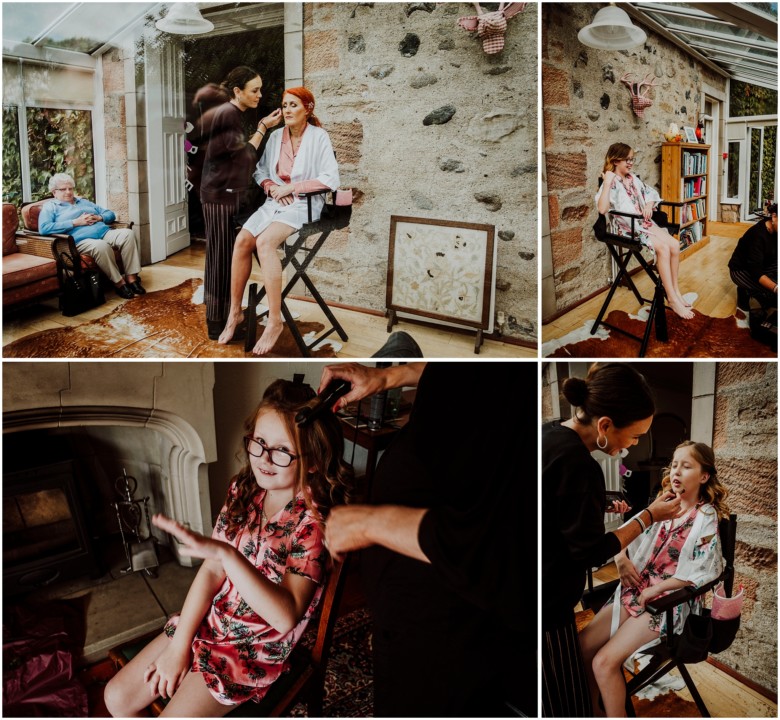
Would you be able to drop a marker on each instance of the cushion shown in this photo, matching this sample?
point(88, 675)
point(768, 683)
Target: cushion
point(21, 269)
point(10, 223)
point(31, 212)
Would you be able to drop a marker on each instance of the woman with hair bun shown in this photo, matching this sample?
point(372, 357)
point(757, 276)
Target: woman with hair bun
point(299, 159)
point(611, 409)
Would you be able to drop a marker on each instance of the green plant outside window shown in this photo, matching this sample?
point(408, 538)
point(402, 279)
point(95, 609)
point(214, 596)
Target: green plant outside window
point(747, 100)
point(12, 161)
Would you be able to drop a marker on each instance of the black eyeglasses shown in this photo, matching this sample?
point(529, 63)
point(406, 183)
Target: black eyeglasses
point(277, 456)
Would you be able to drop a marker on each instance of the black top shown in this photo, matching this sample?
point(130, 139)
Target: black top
point(230, 159)
point(756, 252)
point(573, 533)
point(468, 453)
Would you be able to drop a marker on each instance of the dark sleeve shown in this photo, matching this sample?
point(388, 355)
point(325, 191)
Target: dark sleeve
point(580, 501)
point(482, 536)
point(751, 253)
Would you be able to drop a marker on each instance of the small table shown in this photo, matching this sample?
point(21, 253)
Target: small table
point(374, 441)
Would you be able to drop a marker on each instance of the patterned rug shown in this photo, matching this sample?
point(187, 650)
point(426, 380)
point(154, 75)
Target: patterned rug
point(701, 336)
point(349, 688)
point(167, 323)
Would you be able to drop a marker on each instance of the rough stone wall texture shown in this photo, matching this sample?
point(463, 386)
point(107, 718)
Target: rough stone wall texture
point(745, 444)
point(585, 109)
point(378, 71)
point(115, 121)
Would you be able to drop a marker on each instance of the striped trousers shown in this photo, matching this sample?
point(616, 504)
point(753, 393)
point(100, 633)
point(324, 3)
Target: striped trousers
point(218, 219)
point(565, 690)
point(747, 287)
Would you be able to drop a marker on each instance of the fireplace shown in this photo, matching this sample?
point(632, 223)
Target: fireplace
point(154, 419)
point(45, 536)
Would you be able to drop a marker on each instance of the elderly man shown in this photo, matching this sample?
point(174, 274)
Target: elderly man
point(86, 223)
point(753, 266)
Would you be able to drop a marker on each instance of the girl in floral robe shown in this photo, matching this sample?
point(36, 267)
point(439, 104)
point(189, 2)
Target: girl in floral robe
point(668, 555)
point(264, 569)
point(623, 191)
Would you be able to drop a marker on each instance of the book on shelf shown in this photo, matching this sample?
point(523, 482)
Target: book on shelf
point(694, 187)
point(694, 163)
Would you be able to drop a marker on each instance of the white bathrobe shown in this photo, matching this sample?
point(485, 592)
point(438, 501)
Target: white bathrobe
point(315, 161)
point(619, 200)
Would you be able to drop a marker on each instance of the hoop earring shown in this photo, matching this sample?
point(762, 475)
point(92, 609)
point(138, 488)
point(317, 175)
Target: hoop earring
point(599, 445)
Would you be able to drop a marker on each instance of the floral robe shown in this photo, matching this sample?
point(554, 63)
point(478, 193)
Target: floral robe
point(239, 654)
point(690, 552)
point(631, 199)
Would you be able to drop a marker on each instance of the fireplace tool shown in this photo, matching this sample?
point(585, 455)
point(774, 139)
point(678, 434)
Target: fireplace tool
point(140, 551)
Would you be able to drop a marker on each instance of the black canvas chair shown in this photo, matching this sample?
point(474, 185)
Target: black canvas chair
point(671, 653)
point(333, 217)
point(622, 249)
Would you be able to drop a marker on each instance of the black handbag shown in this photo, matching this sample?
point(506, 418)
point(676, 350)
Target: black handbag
point(81, 289)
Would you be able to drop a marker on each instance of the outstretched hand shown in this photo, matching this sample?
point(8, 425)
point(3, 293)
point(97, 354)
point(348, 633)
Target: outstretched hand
point(273, 119)
point(194, 544)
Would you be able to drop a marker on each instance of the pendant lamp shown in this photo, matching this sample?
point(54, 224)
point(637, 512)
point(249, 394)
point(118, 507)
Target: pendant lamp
point(184, 18)
point(611, 29)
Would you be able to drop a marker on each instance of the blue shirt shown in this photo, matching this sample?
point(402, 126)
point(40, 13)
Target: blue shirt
point(57, 217)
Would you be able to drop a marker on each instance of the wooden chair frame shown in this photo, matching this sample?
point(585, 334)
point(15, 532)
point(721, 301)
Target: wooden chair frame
point(306, 679)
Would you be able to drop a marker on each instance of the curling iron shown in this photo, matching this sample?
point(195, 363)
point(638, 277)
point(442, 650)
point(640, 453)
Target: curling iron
point(334, 391)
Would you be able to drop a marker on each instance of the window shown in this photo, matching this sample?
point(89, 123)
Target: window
point(747, 100)
point(732, 169)
point(12, 162)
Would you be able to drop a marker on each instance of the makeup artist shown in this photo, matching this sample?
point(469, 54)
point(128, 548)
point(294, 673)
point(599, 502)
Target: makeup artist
point(611, 409)
point(447, 537)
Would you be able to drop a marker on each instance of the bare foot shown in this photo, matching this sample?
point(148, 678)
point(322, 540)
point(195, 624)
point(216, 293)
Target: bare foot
point(680, 309)
point(269, 337)
point(683, 301)
point(230, 328)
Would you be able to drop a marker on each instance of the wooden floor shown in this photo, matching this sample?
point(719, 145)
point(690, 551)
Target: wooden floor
point(367, 332)
point(704, 272)
point(724, 695)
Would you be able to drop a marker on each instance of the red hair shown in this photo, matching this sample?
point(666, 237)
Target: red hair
point(307, 99)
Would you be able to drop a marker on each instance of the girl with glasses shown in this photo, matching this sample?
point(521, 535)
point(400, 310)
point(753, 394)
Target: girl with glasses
point(625, 192)
point(264, 570)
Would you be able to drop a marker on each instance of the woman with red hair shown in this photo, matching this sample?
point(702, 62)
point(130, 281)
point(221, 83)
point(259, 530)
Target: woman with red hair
point(297, 160)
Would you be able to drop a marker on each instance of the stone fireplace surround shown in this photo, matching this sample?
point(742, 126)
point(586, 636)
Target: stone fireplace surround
point(172, 400)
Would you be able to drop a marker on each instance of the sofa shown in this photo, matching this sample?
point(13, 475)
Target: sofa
point(29, 268)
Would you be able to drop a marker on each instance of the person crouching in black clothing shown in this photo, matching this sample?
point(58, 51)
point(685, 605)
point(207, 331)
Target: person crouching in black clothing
point(753, 265)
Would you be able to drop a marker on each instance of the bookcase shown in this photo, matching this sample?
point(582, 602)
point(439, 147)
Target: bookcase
point(685, 178)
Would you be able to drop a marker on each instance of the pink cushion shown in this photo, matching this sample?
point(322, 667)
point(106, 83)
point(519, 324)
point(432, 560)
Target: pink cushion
point(30, 214)
point(21, 269)
point(31, 291)
point(10, 223)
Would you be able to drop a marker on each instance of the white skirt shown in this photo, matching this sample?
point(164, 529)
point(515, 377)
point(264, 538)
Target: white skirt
point(295, 215)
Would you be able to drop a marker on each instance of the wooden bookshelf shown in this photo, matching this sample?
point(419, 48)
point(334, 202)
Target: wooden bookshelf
point(685, 178)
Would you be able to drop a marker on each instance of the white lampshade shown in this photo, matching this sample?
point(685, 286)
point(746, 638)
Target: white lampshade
point(184, 18)
point(611, 29)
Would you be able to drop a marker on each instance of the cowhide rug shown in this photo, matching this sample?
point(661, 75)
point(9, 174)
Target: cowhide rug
point(162, 324)
point(702, 336)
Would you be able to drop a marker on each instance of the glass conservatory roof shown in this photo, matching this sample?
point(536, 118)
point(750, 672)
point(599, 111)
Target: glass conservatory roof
point(740, 39)
point(79, 27)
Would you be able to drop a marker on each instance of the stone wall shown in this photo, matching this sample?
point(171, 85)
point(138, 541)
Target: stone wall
point(745, 444)
point(426, 124)
point(585, 109)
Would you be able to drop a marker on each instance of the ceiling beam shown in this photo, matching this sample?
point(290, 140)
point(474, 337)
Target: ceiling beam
point(741, 16)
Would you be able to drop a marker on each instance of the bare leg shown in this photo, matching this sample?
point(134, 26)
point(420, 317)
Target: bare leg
point(193, 699)
point(592, 639)
point(608, 662)
point(662, 236)
point(268, 243)
point(127, 695)
point(664, 264)
point(240, 269)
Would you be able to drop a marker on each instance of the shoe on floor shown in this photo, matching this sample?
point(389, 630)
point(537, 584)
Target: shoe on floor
point(124, 292)
point(136, 287)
